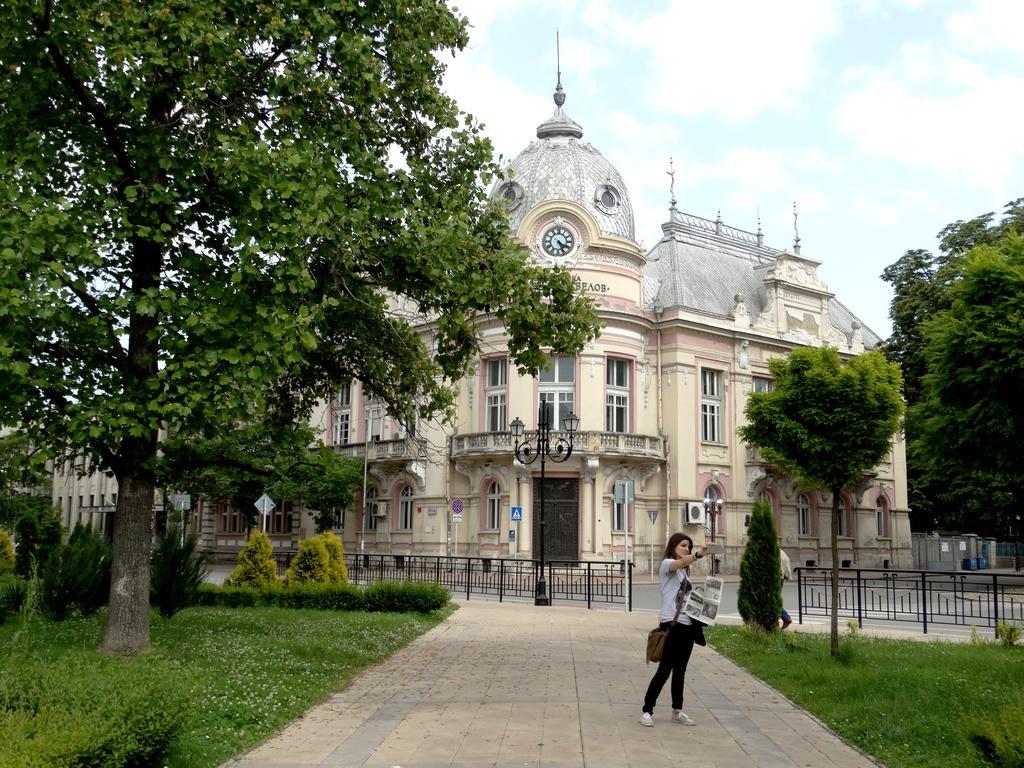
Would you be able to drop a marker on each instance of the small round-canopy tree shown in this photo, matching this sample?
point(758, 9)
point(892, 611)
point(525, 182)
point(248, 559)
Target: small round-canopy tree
point(759, 598)
point(827, 424)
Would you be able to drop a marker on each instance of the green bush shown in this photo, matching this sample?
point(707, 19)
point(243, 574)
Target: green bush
point(383, 596)
point(176, 572)
point(6, 553)
point(86, 710)
point(337, 570)
point(759, 597)
point(1001, 737)
point(12, 595)
point(76, 575)
point(311, 564)
point(1008, 633)
point(38, 531)
point(405, 596)
point(256, 568)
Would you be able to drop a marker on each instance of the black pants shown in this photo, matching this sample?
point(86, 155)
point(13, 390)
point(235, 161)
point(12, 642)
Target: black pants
point(675, 657)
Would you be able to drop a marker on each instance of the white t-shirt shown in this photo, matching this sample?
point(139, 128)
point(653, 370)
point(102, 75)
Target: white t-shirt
point(671, 583)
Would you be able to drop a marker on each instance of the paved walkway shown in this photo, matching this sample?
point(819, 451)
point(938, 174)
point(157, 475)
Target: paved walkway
point(516, 686)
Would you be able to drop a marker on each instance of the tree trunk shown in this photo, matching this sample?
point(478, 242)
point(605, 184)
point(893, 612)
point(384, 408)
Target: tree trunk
point(834, 646)
point(127, 630)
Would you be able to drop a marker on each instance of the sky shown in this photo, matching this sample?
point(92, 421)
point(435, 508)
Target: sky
point(883, 120)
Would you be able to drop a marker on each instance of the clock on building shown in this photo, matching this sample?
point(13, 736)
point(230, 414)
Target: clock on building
point(558, 240)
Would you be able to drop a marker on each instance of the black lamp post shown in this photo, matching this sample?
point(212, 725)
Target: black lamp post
point(712, 508)
point(527, 452)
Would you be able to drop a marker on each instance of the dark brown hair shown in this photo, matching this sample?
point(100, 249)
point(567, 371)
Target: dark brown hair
point(673, 542)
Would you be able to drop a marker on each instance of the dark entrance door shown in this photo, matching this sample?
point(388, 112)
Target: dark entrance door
point(561, 518)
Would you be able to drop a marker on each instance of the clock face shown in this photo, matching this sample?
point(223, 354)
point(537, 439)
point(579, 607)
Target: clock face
point(558, 240)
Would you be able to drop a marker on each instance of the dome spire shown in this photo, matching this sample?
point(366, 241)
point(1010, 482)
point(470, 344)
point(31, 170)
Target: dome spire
point(559, 124)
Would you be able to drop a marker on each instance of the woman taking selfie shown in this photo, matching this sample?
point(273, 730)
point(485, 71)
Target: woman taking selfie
point(679, 556)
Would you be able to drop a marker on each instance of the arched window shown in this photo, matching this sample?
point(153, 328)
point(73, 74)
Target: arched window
point(370, 510)
point(843, 529)
point(493, 506)
point(405, 509)
point(803, 514)
point(716, 520)
point(881, 518)
point(766, 498)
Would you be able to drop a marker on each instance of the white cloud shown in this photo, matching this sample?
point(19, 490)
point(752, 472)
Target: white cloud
point(938, 112)
point(893, 205)
point(990, 24)
point(733, 60)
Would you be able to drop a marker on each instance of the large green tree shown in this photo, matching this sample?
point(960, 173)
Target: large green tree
point(921, 282)
point(207, 205)
point(827, 424)
point(970, 417)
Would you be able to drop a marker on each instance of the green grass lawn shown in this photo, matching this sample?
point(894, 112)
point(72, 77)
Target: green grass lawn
point(907, 703)
point(246, 672)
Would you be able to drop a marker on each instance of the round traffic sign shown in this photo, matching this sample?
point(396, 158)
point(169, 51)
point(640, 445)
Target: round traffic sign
point(457, 506)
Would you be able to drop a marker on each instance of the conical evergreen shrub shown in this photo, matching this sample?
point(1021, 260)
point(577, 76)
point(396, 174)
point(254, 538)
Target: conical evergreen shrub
point(311, 564)
point(759, 598)
point(256, 568)
point(176, 572)
point(336, 570)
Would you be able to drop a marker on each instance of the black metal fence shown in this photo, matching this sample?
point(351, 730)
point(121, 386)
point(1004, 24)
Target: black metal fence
point(589, 582)
point(923, 597)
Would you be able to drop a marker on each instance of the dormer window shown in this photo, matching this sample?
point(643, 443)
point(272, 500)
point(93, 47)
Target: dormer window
point(511, 193)
point(607, 198)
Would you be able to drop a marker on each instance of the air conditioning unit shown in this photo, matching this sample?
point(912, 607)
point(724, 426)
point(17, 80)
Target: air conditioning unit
point(693, 513)
point(379, 510)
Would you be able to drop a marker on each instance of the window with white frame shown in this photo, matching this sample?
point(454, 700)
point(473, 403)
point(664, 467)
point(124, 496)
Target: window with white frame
point(617, 396)
point(710, 405)
point(405, 509)
point(842, 526)
point(880, 515)
point(493, 506)
point(374, 420)
point(803, 514)
point(341, 407)
point(495, 391)
point(763, 384)
point(370, 510)
point(766, 498)
point(558, 389)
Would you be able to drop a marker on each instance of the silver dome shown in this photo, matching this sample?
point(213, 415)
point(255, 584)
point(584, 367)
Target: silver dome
point(559, 166)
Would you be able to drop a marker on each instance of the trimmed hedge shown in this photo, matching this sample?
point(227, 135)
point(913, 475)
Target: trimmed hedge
point(394, 596)
point(80, 711)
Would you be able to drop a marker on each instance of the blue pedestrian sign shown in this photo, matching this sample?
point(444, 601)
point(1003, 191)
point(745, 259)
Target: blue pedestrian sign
point(517, 514)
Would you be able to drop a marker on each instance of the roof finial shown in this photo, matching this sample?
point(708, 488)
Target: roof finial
point(718, 222)
point(559, 93)
point(671, 184)
point(796, 230)
point(760, 234)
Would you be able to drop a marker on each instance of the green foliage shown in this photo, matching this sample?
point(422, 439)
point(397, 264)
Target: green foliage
point(968, 498)
point(852, 628)
point(12, 595)
point(200, 207)
point(759, 596)
point(827, 424)
point(176, 572)
point(405, 596)
point(77, 575)
point(1008, 633)
point(22, 467)
point(6, 553)
point(1000, 737)
point(256, 568)
point(311, 564)
point(336, 568)
point(419, 597)
point(970, 419)
point(38, 532)
point(80, 710)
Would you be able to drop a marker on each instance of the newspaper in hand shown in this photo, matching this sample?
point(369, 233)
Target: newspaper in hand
point(702, 602)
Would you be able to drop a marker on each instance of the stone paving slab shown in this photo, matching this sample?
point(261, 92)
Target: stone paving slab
point(519, 686)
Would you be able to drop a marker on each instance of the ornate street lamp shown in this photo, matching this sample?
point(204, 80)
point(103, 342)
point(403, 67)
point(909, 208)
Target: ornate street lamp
point(712, 508)
point(527, 452)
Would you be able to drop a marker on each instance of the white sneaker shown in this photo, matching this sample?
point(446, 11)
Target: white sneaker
point(678, 716)
point(647, 719)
